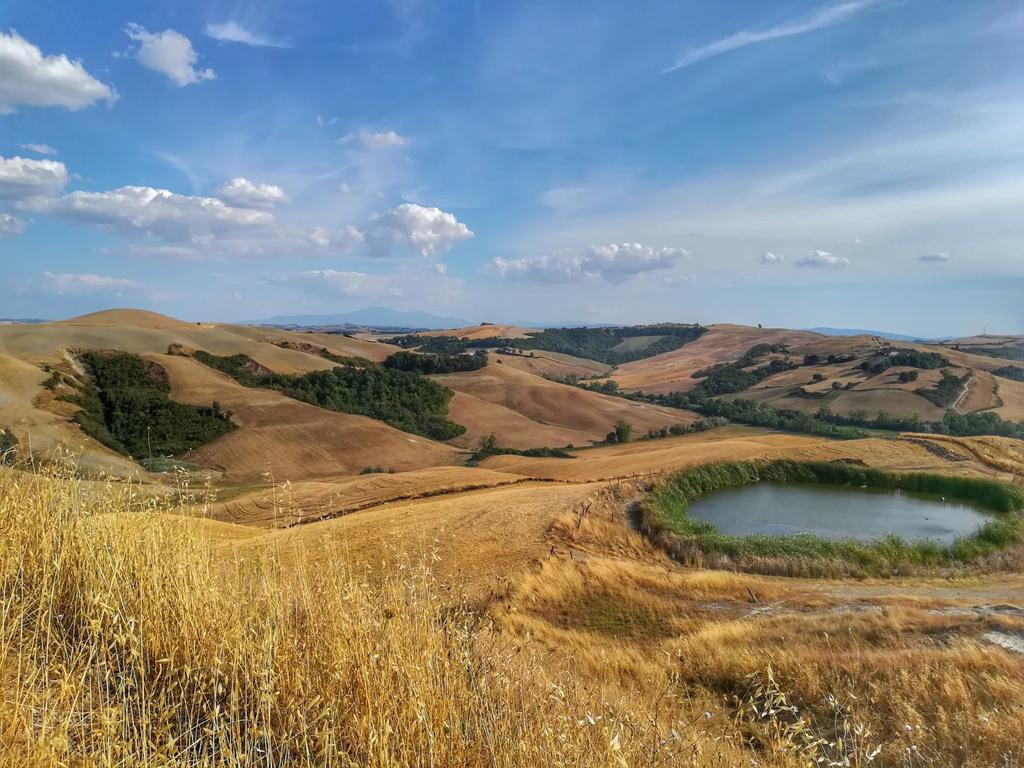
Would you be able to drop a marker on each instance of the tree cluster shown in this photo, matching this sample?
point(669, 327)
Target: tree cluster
point(126, 405)
point(428, 364)
point(405, 400)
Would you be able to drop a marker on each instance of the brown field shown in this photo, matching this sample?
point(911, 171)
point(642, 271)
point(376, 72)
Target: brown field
point(651, 458)
point(514, 605)
point(138, 318)
point(483, 331)
point(553, 364)
point(672, 371)
point(338, 344)
point(1012, 395)
point(292, 440)
point(512, 428)
point(982, 393)
point(555, 404)
point(310, 500)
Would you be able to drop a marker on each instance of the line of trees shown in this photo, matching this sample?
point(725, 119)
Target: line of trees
point(405, 400)
point(428, 364)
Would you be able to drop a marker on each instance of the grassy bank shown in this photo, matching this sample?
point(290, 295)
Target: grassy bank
point(997, 544)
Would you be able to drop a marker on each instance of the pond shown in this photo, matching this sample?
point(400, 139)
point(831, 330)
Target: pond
point(836, 512)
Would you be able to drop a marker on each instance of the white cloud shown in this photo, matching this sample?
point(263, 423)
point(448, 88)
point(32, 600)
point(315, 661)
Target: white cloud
point(10, 225)
point(344, 239)
point(430, 231)
point(233, 32)
point(615, 263)
point(23, 178)
point(769, 258)
point(160, 212)
point(248, 194)
point(40, 149)
point(822, 260)
point(375, 140)
point(190, 227)
point(170, 53)
point(828, 16)
point(934, 258)
point(28, 78)
point(67, 284)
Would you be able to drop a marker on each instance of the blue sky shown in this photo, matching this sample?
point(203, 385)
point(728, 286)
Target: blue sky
point(847, 163)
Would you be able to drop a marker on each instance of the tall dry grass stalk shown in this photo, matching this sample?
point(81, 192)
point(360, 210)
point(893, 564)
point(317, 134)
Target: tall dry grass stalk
point(129, 637)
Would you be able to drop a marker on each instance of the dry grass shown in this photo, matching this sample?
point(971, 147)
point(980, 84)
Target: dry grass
point(125, 641)
point(131, 635)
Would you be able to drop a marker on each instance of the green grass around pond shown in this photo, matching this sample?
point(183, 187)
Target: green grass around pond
point(664, 516)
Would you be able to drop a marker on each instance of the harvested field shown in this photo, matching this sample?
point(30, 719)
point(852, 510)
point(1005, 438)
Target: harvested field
point(1011, 393)
point(513, 429)
point(482, 540)
point(137, 318)
point(289, 439)
point(672, 371)
point(550, 403)
point(553, 364)
point(483, 331)
point(336, 343)
point(982, 393)
point(310, 500)
point(652, 457)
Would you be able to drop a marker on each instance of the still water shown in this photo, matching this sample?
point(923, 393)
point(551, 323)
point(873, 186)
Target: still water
point(836, 512)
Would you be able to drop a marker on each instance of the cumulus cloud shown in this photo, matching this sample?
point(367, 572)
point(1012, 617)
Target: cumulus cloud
point(934, 258)
point(22, 179)
point(615, 263)
point(375, 140)
point(40, 149)
point(344, 239)
point(430, 231)
point(9, 225)
point(28, 78)
point(828, 16)
point(233, 32)
point(823, 260)
point(248, 194)
point(768, 258)
point(168, 52)
point(171, 225)
point(68, 284)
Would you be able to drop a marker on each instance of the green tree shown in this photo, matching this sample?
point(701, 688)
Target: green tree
point(623, 430)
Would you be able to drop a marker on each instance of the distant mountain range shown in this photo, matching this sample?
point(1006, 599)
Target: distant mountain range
point(864, 332)
point(371, 317)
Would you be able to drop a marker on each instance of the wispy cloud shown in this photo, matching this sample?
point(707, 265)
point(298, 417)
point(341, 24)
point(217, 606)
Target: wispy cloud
point(233, 32)
point(40, 149)
point(828, 16)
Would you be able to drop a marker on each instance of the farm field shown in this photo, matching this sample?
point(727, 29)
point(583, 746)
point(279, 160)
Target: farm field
point(345, 533)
